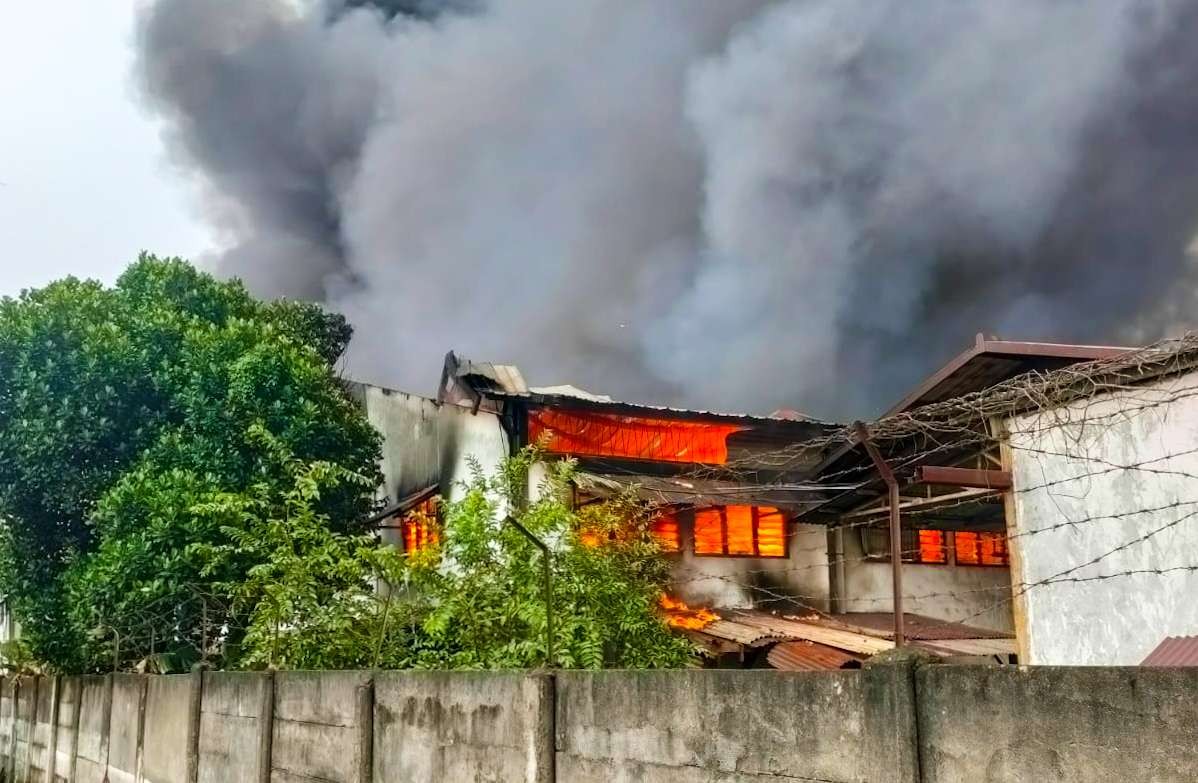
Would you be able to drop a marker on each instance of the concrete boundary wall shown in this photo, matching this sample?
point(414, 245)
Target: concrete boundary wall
point(41, 733)
point(467, 725)
point(66, 731)
point(8, 709)
point(898, 722)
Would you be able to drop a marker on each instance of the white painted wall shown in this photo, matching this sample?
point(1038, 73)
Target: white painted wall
point(1070, 465)
point(974, 595)
point(426, 442)
point(742, 582)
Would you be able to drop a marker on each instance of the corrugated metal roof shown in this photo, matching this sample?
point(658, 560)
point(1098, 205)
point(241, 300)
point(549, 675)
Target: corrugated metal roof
point(639, 408)
point(802, 656)
point(823, 642)
point(741, 633)
point(916, 627)
point(501, 378)
point(989, 362)
point(973, 647)
point(783, 628)
point(1174, 651)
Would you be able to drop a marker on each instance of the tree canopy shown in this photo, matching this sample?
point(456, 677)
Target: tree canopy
point(473, 599)
point(122, 410)
point(183, 475)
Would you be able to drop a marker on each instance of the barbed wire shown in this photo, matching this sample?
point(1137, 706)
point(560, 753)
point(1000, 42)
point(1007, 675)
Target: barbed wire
point(1055, 424)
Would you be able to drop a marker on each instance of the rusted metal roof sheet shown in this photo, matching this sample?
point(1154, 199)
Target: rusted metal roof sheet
point(1174, 651)
point(818, 642)
point(993, 361)
point(917, 627)
point(802, 656)
point(973, 647)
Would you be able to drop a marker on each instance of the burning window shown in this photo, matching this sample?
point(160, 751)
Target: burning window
point(741, 531)
point(589, 434)
point(930, 547)
point(984, 549)
point(664, 529)
point(927, 547)
point(419, 527)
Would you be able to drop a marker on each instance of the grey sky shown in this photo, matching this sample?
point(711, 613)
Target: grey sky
point(86, 183)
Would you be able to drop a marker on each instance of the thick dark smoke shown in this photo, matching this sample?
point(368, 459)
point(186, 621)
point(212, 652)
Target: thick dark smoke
point(735, 203)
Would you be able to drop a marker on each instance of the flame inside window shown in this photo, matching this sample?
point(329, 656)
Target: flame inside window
point(419, 527)
point(664, 529)
point(981, 549)
point(931, 547)
point(745, 531)
point(589, 434)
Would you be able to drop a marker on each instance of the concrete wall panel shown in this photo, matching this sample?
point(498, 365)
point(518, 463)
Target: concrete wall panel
point(230, 726)
point(735, 726)
point(125, 729)
point(317, 733)
point(1080, 515)
point(26, 709)
point(976, 595)
point(1078, 725)
point(167, 729)
point(432, 726)
point(742, 581)
point(7, 723)
point(42, 731)
point(66, 730)
point(91, 758)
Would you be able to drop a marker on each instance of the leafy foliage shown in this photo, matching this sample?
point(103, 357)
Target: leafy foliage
point(473, 602)
point(124, 409)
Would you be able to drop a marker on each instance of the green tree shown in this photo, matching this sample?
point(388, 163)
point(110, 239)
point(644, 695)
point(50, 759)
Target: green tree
point(474, 601)
point(122, 410)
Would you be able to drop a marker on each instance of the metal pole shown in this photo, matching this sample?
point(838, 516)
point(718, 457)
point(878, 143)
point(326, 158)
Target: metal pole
point(550, 658)
point(896, 538)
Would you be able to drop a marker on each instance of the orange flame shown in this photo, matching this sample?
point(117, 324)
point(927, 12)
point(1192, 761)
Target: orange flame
point(679, 615)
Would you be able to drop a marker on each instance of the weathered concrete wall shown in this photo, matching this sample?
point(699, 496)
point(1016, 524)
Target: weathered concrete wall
point(321, 727)
point(426, 442)
point(41, 734)
point(1081, 725)
point(125, 729)
point(885, 724)
point(231, 726)
point(8, 707)
point(26, 709)
point(66, 729)
point(977, 595)
point(463, 726)
point(168, 728)
point(91, 760)
point(736, 726)
point(1083, 511)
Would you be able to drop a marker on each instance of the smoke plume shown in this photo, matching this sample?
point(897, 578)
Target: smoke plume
point(720, 203)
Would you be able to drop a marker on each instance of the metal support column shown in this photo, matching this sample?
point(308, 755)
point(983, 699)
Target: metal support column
point(896, 537)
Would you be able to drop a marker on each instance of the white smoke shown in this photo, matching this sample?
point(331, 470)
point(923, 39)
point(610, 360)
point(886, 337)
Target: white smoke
point(734, 203)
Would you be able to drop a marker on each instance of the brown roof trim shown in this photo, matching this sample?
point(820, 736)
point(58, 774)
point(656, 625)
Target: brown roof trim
point(983, 346)
point(404, 505)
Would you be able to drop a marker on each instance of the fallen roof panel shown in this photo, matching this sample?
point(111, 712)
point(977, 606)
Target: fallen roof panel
point(1174, 651)
point(803, 656)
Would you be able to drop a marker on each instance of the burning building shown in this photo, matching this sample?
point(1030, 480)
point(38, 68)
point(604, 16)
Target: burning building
point(778, 526)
